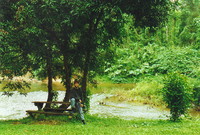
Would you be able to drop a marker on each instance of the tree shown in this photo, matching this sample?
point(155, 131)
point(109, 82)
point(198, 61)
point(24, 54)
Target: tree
point(64, 27)
point(13, 61)
point(190, 23)
point(104, 19)
point(151, 13)
point(48, 22)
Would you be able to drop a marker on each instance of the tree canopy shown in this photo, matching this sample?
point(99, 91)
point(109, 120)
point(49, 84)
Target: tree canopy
point(58, 38)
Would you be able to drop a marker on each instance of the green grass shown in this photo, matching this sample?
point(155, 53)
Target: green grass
point(98, 126)
point(107, 87)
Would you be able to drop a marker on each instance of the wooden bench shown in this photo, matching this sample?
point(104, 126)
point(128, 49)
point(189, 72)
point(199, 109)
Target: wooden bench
point(32, 112)
point(50, 111)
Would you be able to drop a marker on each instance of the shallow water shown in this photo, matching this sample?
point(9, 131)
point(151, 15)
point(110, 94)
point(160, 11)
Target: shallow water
point(15, 107)
point(122, 110)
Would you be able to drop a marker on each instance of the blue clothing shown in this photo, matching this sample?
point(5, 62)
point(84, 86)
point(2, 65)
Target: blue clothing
point(77, 105)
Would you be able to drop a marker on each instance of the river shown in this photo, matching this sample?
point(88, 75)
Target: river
point(15, 106)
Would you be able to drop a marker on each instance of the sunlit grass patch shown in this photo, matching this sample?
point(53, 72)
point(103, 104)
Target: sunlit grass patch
point(98, 126)
point(105, 87)
point(142, 92)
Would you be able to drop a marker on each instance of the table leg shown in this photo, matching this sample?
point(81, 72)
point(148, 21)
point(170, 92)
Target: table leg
point(39, 105)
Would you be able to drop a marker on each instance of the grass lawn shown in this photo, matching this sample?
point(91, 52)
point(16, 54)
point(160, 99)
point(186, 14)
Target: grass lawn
point(98, 126)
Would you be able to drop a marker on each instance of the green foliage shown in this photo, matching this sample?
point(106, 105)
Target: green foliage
point(184, 60)
point(149, 13)
point(6, 12)
point(177, 94)
point(132, 64)
point(196, 94)
point(149, 91)
point(174, 47)
point(17, 86)
point(87, 101)
point(48, 23)
point(190, 23)
point(74, 33)
point(197, 97)
point(55, 98)
point(67, 36)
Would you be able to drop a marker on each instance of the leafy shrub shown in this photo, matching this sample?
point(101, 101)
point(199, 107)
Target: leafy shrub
point(177, 94)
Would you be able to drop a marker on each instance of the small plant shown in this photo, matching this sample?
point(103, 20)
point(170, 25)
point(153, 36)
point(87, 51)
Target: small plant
point(177, 94)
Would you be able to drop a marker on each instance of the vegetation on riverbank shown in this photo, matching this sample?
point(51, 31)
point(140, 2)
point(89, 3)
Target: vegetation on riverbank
point(128, 51)
point(98, 126)
point(124, 52)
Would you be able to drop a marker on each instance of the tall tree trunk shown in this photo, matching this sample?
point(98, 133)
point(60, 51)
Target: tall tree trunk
point(85, 74)
point(50, 77)
point(67, 68)
point(91, 32)
point(67, 78)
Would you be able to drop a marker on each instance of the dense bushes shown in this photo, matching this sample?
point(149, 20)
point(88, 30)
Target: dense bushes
point(184, 60)
point(152, 60)
point(149, 52)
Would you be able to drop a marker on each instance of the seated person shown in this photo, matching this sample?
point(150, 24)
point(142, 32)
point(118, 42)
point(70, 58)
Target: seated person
point(76, 97)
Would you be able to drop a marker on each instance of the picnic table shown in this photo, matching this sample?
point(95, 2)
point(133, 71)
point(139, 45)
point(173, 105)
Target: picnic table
point(40, 104)
point(62, 110)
